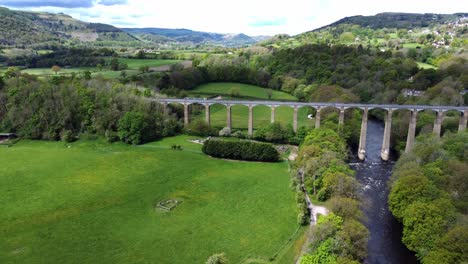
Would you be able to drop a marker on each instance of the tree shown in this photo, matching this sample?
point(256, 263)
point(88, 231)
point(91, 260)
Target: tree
point(131, 127)
point(219, 258)
point(141, 54)
point(114, 64)
point(269, 93)
point(423, 223)
point(2, 83)
point(99, 66)
point(408, 190)
point(56, 69)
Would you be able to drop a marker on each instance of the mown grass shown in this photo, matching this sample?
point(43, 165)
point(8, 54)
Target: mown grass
point(423, 65)
point(245, 91)
point(92, 202)
point(240, 113)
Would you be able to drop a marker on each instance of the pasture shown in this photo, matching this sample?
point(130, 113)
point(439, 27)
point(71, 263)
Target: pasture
point(94, 202)
point(133, 68)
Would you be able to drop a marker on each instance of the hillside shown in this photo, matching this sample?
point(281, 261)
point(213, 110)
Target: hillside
point(40, 30)
point(386, 31)
point(187, 36)
point(398, 20)
point(19, 28)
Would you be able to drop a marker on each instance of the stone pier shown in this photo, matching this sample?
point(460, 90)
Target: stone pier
point(438, 123)
point(273, 114)
point(317, 118)
point(363, 136)
point(186, 114)
point(411, 131)
point(385, 152)
point(295, 118)
point(250, 120)
point(186, 102)
point(341, 119)
point(207, 114)
point(228, 117)
point(463, 119)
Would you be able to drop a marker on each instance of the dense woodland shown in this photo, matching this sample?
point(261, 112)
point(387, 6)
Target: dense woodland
point(429, 196)
point(68, 108)
point(341, 236)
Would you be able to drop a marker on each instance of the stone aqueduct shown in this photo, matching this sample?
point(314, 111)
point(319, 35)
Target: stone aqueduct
point(414, 109)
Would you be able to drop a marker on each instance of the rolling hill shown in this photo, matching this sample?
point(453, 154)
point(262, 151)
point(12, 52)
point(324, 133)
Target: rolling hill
point(20, 28)
point(187, 36)
point(38, 29)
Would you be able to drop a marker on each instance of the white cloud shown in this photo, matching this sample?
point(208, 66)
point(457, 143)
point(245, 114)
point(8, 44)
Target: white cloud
point(246, 16)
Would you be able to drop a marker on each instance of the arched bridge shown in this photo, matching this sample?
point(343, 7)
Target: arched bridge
point(318, 106)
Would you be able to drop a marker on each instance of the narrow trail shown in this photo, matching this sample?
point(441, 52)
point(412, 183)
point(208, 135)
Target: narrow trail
point(314, 210)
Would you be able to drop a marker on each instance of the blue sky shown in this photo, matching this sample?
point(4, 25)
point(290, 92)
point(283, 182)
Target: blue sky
point(253, 17)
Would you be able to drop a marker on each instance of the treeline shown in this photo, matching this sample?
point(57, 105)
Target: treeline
point(240, 150)
point(68, 108)
point(74, 57)
point(429, 196)
point(339, 237)
point(368, 75)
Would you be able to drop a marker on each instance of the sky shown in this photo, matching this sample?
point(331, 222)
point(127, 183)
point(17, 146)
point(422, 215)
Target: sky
point(252, 17)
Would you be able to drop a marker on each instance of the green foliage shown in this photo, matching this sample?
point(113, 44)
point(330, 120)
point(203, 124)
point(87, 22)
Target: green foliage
point(217, 259)
point(200, 128)
point(451, 248)
point(429, 194)
point(39, 109)
point(240, 150)
point(131, 127)
point(426, 222)
point(410, 189)
point(327, 139)
point(275, 133)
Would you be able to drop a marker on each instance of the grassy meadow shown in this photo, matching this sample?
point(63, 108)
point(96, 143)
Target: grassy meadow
point(240, 113)
point(94, 202)
point(133, 68)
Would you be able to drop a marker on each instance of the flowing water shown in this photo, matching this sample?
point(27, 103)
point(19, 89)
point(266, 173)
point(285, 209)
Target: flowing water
point(385, 246)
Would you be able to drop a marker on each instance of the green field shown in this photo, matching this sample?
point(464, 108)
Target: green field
point(95, 203)
point(246, 91)
point(423, 65)
point(240, 113)
point(133, 68)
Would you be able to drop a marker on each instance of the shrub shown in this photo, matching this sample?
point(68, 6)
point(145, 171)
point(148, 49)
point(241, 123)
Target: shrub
point(67, 136)
point(225, 132)
point(240, 150)
point(217, 259)
point(275, 133)
point(199, 128)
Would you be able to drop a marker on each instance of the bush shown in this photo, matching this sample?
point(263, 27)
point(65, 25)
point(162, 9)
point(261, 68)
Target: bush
point(275, 133)
point(67, 136)
point(217, 259)
point(199, 128)
point(240, 150)
point(225, 132)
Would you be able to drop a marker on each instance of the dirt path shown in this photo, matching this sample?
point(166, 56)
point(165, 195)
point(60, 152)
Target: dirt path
point(314, 210)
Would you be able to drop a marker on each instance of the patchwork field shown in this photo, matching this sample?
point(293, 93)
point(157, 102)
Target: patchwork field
point(91, 202)
point(133, 68)
point(240, 113)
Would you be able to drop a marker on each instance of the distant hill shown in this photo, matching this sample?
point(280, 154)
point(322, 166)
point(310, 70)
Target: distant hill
point(397, 20)
point(386, 31)
point(26, 29)
point(165, 35)
point(20, 28)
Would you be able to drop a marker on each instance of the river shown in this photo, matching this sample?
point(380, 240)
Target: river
point(385, 246)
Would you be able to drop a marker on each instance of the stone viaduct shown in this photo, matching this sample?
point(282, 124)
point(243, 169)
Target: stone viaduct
point(389, 108)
